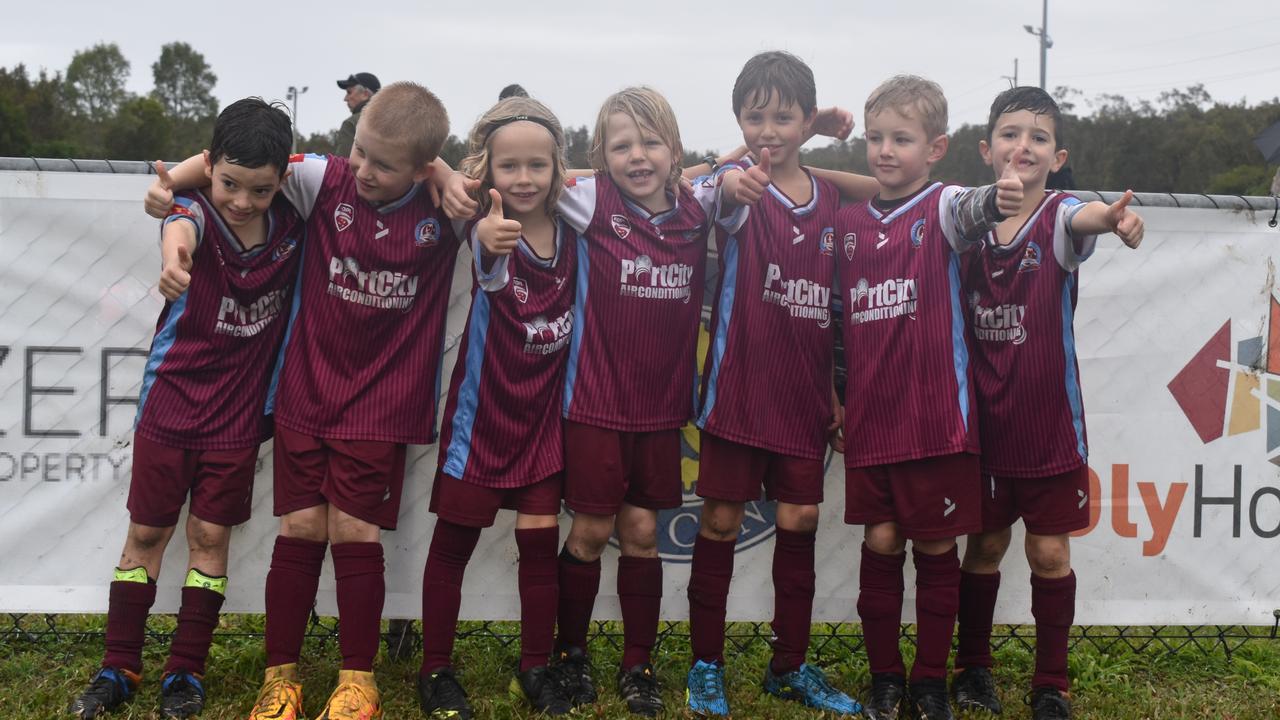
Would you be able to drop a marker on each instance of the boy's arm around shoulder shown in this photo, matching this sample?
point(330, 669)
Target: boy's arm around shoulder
point(971, 213)
point(186, 175)
point(852, 187)
point(178, 239)
point(1097, 217)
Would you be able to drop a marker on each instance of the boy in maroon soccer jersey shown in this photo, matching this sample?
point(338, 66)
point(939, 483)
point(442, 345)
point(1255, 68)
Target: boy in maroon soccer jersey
point(1021, 288)
point(359, 381)
point(201, 409)
point(777, 266)
point(910, 433)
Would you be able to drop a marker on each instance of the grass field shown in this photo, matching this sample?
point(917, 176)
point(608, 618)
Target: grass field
point(39, 678)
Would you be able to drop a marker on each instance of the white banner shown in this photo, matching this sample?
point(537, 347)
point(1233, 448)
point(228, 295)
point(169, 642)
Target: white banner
point(1186, 494)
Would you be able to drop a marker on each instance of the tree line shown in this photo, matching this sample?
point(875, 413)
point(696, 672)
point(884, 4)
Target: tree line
point(1184, 141)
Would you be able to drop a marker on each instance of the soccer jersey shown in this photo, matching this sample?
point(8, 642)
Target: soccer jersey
point(767, 379)
point(502, 424)
point(1021, 301)
point(637, 305)
point(909, 393)
point(362, 357)
point(209, 368)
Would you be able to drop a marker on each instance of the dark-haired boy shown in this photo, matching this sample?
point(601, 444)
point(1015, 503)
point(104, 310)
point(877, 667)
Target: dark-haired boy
point(201, 409)
point(1021, 288)
point(766, 387)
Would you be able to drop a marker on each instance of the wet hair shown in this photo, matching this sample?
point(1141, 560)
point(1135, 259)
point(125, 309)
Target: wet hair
point(252, 134)
point(913, 97)
point(1025, 97)
point(411, 115)
point(775, 72)
point(652, 114)
point(512, 90)
point(512, 109)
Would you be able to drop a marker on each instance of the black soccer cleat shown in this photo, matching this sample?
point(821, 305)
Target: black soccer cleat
point(574, 668)
point(885, 699)
point(543, 688)
point(639, 687)
point(929, 700)
point(441, 696)
point(974, 689)
point(181, 695)
point(109, 689)
point(1048, 703)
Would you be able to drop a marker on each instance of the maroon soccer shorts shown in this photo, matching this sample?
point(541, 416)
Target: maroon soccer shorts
point(362, 478)
point(930, 499)
point(464, 503)
point(1053, 505)
point(732, 471)
point(604, 468)
point(220, 483)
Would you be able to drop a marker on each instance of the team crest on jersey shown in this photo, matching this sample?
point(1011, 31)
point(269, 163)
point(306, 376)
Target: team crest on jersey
point(917, 233)
point(1030, 258)
point(521, 289)
point(621, 226)
point(850, 244)
point(827, 244)
point(427, 233)
point(284, 249)
point(343, 215)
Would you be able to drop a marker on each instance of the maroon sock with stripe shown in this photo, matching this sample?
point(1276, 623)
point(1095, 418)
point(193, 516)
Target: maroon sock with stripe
point(579, 585)
point(127, 609)
point(359, 572)
point(880, 592)
point(793, 587)
point(709, 580)
point(640, 598)
point(539, 593)
point(291, 592)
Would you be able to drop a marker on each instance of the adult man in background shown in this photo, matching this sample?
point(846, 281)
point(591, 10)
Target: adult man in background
point(360, 87)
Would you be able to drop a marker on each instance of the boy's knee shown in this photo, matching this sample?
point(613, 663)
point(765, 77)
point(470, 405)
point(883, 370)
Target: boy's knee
point(206, 536)
point(798, 518)
point(1049, 555)
point(721, 520)
point(588, 535)
point(306, 524)
point(147, 538)
point(638, 532)
point(885, 539)
point(983, 552)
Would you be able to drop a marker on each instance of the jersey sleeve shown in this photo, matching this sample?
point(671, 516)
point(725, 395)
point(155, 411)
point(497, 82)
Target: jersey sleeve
point(966, 215)
point(186, 209)
point(303, 183)
point(735, 217)
point(497, 275)
point(577, 203)
point(1068, 249)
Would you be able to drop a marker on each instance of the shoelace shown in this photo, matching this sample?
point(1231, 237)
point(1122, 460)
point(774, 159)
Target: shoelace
point(710, 682)
point(353, 699)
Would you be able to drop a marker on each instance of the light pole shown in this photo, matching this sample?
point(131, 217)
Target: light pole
point(1046, 42)
point(292, 96)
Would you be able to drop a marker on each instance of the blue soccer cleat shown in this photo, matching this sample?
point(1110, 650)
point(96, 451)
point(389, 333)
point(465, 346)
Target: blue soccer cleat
point(807, 685)
point(704, 690)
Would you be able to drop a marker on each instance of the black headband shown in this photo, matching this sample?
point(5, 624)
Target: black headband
point(541, 121)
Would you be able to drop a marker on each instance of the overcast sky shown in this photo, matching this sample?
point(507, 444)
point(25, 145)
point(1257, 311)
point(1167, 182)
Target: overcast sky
point(572, 55)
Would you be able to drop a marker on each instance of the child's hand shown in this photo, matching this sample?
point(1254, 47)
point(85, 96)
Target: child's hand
point(497, 235)
point(175, 277)
point(458, 202)
point(160, 194)
point(746, 187)
point(1125, 223)
point(835, 430)
point(1009, 191)
point(833, 122)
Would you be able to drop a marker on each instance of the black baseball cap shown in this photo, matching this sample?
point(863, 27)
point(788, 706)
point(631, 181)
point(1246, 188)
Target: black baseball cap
point(368, 80)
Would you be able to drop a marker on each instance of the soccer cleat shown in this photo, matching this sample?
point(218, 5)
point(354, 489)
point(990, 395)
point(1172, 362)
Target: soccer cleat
point(930, 701)
point(544, 690)
point(355, 698)
point(887, 692)
point(639, 687)
point(1048, 703)
point(974, 689)
point(704, 689)
point(808, 685)
point(574, 668)
point(109, 689)
point(181, 695)
point(441, 696)
point(281, 695)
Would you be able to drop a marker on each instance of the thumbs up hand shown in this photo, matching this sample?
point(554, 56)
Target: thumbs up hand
point(497, 235)
point(175, 275)
point(1009, 188)
point(160, 195)
point(1125, 223)
point(746, 187)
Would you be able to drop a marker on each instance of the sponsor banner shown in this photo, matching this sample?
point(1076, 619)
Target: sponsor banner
point(1179, 346)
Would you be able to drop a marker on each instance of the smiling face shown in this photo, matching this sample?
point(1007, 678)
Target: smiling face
point(384, 170)
point(638, 161)
point(241, 195)
point(522, 167)
point(900, 153)
point(779, 127)
point(1027, 139)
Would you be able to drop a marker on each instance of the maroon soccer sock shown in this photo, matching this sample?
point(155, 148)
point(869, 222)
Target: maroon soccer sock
point(579, 585)
point(451, 548)
point(977, 608)
point(880, 589)
point(1053, 605)
point(640, 598)
point(359, 572)
point(197, 619)
point(793, 585)
point(937, 598)
point(127, 608)
point(291, 592)
point(539, 591)
point(709, 580)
